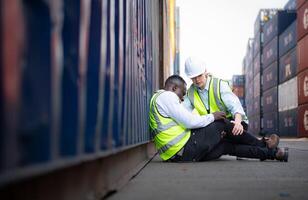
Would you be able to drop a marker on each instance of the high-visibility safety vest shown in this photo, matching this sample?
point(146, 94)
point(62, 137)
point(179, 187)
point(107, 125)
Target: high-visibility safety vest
point(214, 99)
point(169, 136)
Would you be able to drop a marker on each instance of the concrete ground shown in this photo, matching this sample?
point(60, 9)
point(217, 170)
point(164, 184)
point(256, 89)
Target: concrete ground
point(226, 178)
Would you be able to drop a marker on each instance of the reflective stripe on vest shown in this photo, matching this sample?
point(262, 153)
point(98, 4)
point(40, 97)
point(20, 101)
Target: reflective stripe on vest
point(214, 100)
point(169, 137)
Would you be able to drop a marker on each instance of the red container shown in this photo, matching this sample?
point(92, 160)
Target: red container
point(299, 3)
point(302, 21)
point(270, 100)
point(303, 120)
point(238, 91)
point(302, 54)
point(303, 87)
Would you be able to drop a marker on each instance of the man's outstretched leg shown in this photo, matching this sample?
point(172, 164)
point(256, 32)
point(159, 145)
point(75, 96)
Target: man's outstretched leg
point(248, 138)
point(246, 151)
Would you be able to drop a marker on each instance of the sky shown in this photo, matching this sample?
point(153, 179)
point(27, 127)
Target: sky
point(217, 32)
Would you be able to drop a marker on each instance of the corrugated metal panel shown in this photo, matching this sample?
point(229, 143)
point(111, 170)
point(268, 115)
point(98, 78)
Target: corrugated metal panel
point(302, 58)
point(302, 22)
point(34, 136)
point(288, 66)
point(270, 53)
point(303, 120)
point(270, 122)
point(86, 93)
point(257, 43)
point(288, 123)
point(303, 87)
point(256, 106)
point(270, 100)
point(278, 24)
point(270, 76)
point(257, 64)
point(287, 40)
point(287, 95)
point(256, 86)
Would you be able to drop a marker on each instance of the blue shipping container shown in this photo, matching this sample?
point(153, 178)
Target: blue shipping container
point(287, 40)
point(270, 53)
point(278, 24)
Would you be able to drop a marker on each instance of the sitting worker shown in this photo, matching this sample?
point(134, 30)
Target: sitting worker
point(179, 136)
point(208, 94)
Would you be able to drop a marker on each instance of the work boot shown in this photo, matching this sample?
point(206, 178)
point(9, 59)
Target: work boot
point(272, 141)
point(282, 154)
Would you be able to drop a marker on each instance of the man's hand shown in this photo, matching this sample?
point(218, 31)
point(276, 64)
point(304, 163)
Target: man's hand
point(219, 115)
point(238, 128)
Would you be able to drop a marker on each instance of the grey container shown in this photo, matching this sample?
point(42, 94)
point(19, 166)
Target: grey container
point(287, 95)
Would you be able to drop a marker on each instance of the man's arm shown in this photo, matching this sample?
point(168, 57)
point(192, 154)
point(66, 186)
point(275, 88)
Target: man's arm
point(234, 105)
point(168, 105)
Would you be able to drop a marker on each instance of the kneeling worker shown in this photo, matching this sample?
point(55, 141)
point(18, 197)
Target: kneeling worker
point(180, 135)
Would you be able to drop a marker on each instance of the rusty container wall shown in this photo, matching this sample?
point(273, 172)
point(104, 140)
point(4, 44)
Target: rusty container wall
point(257, 64)
point(303, 120)
point(302, 58)
point(287, 40)
point(303, 87)
point(277, 24)
point(270, 123)
point(300, 3)
point(270, 76)
point(302, 22)
point(270, 100)
point(288, 66)
point(270, 53)
point(288, 123)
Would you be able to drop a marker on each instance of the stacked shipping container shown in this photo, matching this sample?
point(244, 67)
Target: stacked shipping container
point(278, 75)
point(276, 44)
point(302, 60)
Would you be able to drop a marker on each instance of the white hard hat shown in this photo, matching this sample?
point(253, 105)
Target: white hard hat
point(194, 67)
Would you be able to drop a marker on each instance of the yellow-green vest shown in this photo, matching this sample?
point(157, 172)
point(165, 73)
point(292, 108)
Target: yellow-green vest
point(214, 99)
point(169, 136)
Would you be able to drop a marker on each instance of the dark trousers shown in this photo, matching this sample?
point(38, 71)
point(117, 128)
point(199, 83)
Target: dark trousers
point(216, 139)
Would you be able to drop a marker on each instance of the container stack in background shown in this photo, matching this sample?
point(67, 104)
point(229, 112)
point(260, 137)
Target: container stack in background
point(276, 29)
point(302, 60)
point(248, 73)
point(238, 88)
point(276, 86)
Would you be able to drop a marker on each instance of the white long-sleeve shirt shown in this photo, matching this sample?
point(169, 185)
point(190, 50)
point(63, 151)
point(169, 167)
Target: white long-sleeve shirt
point(168, 105)
point(231, 101)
